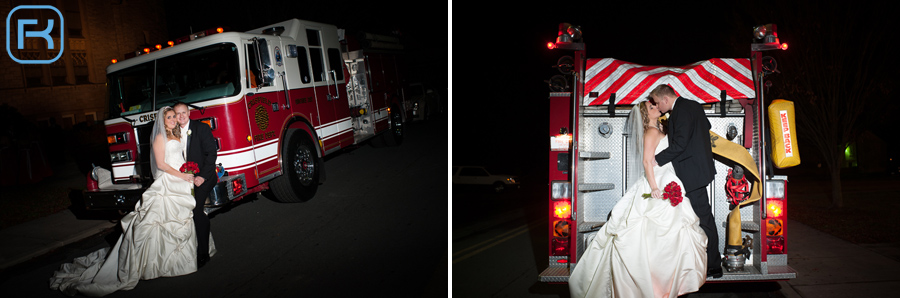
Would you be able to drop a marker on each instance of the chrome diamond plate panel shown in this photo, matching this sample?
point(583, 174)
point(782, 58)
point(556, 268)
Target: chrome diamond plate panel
point(596, 169)
point(593, 206)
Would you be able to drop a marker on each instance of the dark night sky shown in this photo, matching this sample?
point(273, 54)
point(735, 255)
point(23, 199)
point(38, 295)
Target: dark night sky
point(500, 62)
point(423, 33)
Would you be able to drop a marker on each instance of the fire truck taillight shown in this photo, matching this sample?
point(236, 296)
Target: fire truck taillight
point(562, 209)
point(774, 208)
point(784, 46)
point(237, 187)
point(561, 204)
point(776, 216)
point(551, 45)
point(117, 138)
point(560, 246)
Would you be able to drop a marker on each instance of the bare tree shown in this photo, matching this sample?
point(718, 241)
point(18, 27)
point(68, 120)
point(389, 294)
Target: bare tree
point(836, 70)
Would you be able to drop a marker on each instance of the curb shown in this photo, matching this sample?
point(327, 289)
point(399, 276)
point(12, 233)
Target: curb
point(38, 237)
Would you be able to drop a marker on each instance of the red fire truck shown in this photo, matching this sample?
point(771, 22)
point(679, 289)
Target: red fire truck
point(278, 99)
point(589, 105)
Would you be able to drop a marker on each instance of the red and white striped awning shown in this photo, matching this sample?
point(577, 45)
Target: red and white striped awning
point(702, 81)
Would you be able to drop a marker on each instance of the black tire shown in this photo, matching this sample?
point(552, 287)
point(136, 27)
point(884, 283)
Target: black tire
point(302, 166)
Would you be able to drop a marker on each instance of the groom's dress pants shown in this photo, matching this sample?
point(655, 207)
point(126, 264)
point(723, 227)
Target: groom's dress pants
point(700, 203)
point(201, 220)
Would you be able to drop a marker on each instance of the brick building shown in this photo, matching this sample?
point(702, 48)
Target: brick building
point(73, 89)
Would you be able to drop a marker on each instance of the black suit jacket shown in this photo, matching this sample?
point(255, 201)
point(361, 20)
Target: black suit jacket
point(689, 150)
point(202, 150)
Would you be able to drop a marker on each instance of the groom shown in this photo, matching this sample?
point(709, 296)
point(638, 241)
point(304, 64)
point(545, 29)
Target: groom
point(691, 155)
point(201, 149)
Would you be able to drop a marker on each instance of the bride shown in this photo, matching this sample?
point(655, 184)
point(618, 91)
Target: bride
point(158, 237)
point(648, 248)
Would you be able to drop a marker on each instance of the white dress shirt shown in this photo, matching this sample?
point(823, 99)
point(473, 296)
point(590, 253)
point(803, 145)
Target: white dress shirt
point(184, 135)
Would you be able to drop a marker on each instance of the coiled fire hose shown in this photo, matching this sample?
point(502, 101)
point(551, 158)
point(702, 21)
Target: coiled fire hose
point(741, 190)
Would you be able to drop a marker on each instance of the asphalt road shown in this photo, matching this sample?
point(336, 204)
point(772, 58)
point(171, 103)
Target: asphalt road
point(377, 227)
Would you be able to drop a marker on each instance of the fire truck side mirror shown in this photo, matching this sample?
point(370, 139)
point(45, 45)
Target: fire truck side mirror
point(267, 74)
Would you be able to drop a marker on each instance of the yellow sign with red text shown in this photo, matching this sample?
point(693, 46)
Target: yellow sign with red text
point(783, 132)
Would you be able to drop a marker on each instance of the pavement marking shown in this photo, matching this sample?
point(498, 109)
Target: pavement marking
point(484, 244)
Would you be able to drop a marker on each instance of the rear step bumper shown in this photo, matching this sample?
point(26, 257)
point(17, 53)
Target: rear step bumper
point(560, 274)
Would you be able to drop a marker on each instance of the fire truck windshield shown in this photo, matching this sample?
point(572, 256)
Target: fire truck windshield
point(196, 75)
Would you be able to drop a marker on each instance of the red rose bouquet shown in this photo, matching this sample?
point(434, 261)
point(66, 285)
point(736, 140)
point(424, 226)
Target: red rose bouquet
point(190, 168)
point(671, 192)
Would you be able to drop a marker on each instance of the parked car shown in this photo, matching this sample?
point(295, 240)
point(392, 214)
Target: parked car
point(426, 102)
point(479, 176)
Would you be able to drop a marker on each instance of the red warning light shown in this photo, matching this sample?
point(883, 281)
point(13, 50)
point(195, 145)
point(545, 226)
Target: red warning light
point(784, 46)
point(551, 45)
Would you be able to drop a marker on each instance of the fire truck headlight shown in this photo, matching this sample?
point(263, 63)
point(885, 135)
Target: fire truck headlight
point(120, 156)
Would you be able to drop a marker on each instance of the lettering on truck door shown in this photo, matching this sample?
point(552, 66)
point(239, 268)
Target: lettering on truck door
point(265, 105)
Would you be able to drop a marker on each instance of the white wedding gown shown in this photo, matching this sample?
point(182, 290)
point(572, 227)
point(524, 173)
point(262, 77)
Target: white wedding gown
point(158, 239)
point(648, 248)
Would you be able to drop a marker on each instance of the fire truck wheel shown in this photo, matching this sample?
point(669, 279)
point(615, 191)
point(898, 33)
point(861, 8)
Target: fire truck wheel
point(300, 179)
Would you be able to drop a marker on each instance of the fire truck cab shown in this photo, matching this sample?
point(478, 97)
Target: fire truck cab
point(589, 104)
point(278, 99)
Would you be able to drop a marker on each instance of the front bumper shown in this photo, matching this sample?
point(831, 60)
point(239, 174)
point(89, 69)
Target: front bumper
point(227, 189)
point(121, 199)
